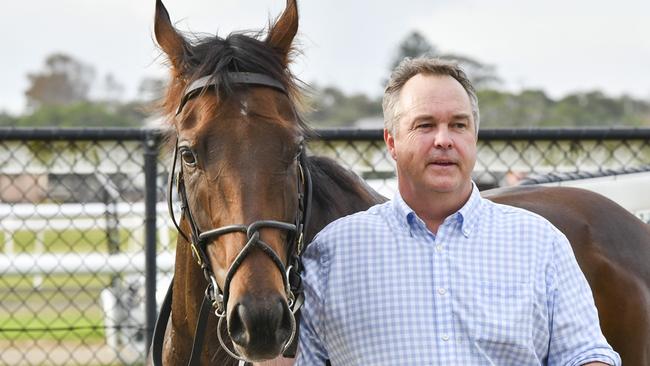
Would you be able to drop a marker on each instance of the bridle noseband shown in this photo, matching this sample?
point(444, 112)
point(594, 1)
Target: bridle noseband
point(216, 297)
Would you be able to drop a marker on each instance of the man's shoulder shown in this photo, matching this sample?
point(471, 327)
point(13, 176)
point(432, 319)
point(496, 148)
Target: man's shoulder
point(515, 215)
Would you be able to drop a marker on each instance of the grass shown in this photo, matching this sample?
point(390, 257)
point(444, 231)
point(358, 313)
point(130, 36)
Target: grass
point(77, 241)
point(63, 241)
point(63, 307)
point(52, 325)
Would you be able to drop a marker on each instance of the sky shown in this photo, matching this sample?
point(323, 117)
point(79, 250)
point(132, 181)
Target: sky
point(559, 46)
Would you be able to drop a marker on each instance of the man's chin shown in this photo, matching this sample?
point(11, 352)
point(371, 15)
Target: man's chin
point(442, 185)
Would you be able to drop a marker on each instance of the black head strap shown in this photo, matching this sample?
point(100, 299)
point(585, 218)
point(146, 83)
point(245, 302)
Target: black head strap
point(249, 78)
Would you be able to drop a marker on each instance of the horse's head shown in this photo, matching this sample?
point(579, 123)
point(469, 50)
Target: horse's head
point(241, 182)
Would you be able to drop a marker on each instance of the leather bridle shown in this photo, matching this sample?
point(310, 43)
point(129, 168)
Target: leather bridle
point(216, 297)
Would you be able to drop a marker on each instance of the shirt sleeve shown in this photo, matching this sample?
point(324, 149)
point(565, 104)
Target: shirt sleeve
point(575, 332)
point(311, 348)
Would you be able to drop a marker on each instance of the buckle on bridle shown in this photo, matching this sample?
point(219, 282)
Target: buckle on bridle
point(300, 244)
point(196, 255)
point(215, 296)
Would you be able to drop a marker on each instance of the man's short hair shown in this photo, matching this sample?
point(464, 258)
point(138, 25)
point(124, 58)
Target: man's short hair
point(408, 68)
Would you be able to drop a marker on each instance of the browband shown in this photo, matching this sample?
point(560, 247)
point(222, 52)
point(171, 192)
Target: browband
point(235, 77)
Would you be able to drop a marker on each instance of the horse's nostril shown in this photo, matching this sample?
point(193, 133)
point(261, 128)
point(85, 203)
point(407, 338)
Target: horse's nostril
point(277, 314)
point(284, 327)
point(237, 326)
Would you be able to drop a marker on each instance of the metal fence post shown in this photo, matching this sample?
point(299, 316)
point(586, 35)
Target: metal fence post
point(151, 188)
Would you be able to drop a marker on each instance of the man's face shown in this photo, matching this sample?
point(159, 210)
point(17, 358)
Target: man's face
point(434, 143)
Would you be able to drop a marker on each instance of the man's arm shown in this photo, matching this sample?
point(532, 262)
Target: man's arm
point(311, 350)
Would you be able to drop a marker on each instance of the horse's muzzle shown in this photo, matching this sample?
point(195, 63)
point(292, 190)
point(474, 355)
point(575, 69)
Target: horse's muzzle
point(260, 326)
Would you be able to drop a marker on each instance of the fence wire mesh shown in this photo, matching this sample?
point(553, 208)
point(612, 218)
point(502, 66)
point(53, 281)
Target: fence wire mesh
point(72, 224)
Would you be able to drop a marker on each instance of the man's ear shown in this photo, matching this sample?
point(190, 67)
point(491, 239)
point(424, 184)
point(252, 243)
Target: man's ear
point(389, 139)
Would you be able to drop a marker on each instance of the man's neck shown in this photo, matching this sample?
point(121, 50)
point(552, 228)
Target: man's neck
point(434, 207)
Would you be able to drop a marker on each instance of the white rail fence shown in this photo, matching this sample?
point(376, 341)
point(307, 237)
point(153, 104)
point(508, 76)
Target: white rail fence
point(122, 302)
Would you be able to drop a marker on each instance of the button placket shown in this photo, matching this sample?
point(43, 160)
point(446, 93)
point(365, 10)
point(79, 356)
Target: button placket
point(444, 311)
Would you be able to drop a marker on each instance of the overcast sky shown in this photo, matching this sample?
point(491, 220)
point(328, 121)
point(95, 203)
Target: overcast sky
point(560, 46)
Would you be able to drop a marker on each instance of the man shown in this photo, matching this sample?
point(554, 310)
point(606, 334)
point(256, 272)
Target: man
point(439, 275)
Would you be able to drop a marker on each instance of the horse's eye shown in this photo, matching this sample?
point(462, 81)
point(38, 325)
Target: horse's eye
point(188, 157)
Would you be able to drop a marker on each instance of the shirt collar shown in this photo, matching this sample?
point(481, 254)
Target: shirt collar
point(405, 214)
point(468, 215)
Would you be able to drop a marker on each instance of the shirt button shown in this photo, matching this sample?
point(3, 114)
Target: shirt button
point(445, 337)
point(442, 291)
point(438, 248)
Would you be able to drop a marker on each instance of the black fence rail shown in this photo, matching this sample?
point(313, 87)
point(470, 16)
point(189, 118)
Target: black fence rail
point(86, 244)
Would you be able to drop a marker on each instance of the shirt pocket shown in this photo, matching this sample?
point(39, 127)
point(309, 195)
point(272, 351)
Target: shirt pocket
point(503, 314)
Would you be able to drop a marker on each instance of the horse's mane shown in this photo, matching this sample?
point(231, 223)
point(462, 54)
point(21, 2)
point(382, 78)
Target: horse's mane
point(337, 192)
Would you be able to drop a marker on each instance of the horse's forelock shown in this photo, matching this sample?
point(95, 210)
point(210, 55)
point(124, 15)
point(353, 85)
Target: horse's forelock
point(238, 52)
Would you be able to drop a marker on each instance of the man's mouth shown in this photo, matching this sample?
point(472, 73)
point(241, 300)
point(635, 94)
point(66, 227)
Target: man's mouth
point(443, 163)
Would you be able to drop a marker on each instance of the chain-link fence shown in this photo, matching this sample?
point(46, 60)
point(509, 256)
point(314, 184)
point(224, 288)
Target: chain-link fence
point(84, 228)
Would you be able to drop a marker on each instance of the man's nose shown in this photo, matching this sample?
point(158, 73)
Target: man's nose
point(443, 139)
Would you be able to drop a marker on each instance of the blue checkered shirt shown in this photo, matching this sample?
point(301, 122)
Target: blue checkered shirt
point(496, 285)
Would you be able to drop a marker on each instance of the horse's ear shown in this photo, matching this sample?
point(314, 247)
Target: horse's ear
point(281, 33)
point(171, 42)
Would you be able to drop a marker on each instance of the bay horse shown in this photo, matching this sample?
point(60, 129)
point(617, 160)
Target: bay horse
point(247, 188)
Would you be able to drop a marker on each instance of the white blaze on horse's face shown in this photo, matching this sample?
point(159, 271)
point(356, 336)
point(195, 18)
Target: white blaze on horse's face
point(244, 108)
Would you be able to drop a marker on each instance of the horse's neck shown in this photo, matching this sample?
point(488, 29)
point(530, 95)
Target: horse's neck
point(186, 302)
point(189, 284)
point(189, 290)
point(337, 192)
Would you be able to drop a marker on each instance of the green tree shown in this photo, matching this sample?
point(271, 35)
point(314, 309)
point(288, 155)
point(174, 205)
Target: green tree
point(82, 114)
point(415, 45)
point(533, 108)
point(505, 109)
point(412, 46)
point(111, 90)
point(64, 80)
point(151, 89)
point(332, 107)
point(588, 109)
point(7, 119)
point(60, 95)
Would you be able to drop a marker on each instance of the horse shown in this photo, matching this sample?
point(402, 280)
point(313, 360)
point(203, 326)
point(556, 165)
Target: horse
point(252, 198)
point(245, 188)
